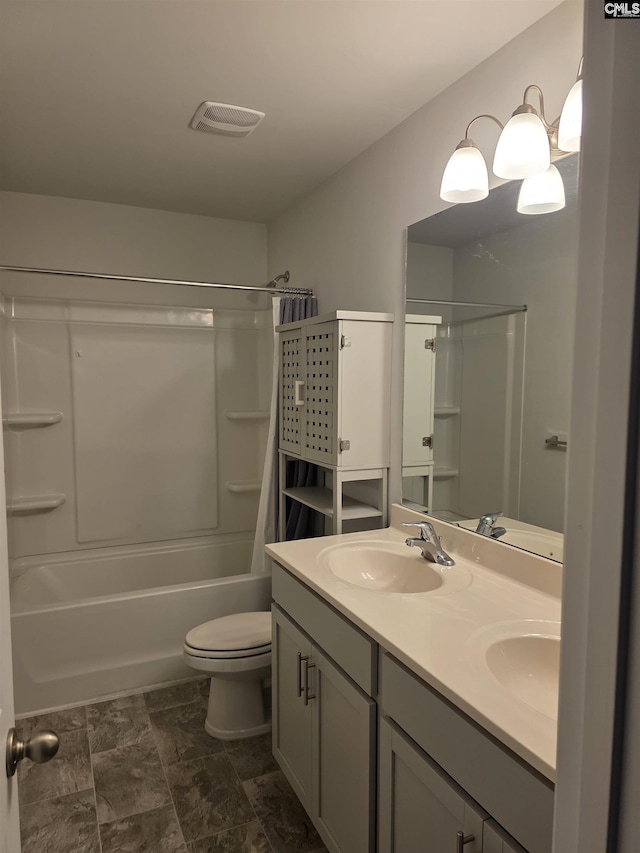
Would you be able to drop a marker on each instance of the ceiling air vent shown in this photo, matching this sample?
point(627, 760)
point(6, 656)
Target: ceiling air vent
point(225, 119)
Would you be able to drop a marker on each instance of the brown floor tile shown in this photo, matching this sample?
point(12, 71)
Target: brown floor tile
point(128, 781)
point(251, 757)
point(180, 734)
point(155, 831)
point(248, 838)
point(60, 825)
point(118, 722)
point(285, 822)
point(207, 796)
point(58, 721)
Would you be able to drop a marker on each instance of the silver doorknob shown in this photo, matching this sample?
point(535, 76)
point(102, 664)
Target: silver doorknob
point(40, 748)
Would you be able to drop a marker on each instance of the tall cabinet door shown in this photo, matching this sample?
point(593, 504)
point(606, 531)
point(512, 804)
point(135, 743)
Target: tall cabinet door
point(291, 730)
point(321, 353)
point(419, 385)
point(343, 749)
point(421, 810)
point(292, 390)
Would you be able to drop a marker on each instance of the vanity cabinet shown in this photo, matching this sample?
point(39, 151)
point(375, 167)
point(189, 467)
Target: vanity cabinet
point(343, 706)
point(519, 799)
point(420, 807)
point(324, 724)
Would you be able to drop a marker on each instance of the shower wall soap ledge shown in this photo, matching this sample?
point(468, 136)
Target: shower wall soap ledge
point(248, 415)
point(32, 418)
point(38, 503)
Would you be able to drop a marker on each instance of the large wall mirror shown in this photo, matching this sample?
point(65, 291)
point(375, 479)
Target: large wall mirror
point(490, 296)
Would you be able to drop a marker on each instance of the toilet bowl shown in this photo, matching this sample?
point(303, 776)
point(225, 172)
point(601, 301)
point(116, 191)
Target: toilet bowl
point(236, 652)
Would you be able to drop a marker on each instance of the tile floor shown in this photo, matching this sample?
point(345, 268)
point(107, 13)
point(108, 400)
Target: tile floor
point(140, 775)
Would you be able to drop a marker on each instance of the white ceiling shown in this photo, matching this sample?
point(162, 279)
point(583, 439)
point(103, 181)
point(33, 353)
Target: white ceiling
point(96, 96)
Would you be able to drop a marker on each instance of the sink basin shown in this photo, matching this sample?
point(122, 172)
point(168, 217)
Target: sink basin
point(528, 668)
point(384, 571)
point(381, 566)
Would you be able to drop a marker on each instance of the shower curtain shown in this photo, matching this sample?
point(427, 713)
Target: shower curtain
point(285, 309)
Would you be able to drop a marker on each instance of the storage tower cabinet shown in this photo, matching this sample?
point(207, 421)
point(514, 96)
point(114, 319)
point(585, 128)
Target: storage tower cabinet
point(334, 383)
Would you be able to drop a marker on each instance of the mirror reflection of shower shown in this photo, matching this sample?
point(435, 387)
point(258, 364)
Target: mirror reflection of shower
point(501, 376)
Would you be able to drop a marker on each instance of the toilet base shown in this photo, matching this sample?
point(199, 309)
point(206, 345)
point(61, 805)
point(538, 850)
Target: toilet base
point(237, 735)
point(236, 709)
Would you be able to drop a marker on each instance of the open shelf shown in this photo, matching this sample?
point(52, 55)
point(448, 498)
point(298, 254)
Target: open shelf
point(444, 472)
point(244, 486)
point(39, 503)
point(321, 499)
point(446, 411)
point(247, 415)
point(14, 419)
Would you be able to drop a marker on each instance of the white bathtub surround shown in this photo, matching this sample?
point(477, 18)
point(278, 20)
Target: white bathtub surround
point(450, 635)
point(96, 623)
point(147, 421)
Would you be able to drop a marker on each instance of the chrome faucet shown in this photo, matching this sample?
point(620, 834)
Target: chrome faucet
point(487, 526)
point(428, 542)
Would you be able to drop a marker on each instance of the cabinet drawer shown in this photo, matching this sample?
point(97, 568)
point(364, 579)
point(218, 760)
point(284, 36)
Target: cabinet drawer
point(519, 798)
point(352, 650)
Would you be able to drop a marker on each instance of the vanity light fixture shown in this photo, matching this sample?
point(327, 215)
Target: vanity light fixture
point(570, 127)
point(543, 193)
point(466, 177)
point(523, 147)
point(524, 151)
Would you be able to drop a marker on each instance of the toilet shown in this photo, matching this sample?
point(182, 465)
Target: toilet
point(236, 652)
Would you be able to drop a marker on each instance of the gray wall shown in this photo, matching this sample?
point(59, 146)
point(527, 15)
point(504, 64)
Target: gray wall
point(347, 238)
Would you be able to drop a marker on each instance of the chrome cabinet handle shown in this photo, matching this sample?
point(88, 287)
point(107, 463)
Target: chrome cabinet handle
point(461, 840)
point(306, 667)
point(300, 660)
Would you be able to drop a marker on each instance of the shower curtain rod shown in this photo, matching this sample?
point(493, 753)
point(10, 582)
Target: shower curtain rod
point(466, 304)
point(268, 288)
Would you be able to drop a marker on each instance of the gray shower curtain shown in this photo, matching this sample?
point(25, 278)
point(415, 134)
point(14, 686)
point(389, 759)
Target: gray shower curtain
point(299, 524)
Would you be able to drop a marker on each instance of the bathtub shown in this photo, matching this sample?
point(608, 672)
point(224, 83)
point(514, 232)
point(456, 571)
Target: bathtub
point(91, 624)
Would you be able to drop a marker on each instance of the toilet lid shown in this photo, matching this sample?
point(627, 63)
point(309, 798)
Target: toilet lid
point(240, 632)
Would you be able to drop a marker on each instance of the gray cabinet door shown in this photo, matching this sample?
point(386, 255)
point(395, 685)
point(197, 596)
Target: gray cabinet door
point(421, 810)
point(496, 840)
point(343, 786)
point(292, 391)
point(291, 716)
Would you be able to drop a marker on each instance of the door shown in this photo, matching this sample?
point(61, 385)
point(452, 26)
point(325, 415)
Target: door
point(291, 725)
point(421, 809)
point(343, 759)
point(9, 826)
point(419, 382)
point(292, 390)
point(321, 409)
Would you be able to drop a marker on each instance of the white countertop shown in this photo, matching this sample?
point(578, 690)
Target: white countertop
point(494, 592)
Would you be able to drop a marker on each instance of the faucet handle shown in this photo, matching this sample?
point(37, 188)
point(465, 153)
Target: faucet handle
point(491, 516)
point(425, 527)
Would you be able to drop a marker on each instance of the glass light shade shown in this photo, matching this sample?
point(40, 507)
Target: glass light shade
point(543, 193)
point(465, 177)
point(570, 127)
point(523, 148)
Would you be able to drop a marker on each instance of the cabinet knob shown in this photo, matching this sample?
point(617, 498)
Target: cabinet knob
point(461, 840)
